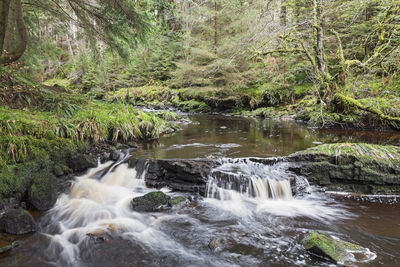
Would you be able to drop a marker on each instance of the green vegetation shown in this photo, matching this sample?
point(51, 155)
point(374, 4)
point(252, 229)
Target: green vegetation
point(41, 127)
point(363, 152)
point(327, 63)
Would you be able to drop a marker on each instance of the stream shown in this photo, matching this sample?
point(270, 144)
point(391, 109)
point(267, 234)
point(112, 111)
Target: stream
point(252, 215)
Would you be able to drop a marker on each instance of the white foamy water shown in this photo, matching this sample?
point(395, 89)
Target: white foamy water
point(247, 188)
point(97, 209)
point(100, 209)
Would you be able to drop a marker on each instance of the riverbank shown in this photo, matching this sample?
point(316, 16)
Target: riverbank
point(48, 133)
point(379, 110)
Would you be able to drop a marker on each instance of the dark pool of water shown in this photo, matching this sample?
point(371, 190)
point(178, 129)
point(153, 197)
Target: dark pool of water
point(222, 136)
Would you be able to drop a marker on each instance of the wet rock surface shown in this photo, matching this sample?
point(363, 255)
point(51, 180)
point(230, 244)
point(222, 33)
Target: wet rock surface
point(17, 222)
point(333, 249)
point(82, 162)
point(43, 192)
point(178, 174)
point(9, 247)
point(346, 171)
point(153, 201)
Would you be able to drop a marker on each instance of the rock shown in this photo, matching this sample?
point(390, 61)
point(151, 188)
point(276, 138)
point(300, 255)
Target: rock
point(17, 222)
point(58, 170)
point(325, 246)
point(153, 201)
point(358, 168)
point(42, 194)
point(98, 236)
point(121, 146)
point(9, 247)
point(178, 174)
point(81, 162)
point(132, 145)
point(115, 155)
point(177, 200)
point(213, 244)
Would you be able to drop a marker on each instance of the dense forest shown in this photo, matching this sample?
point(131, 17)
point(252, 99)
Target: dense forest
point(333, 63)
point(84, 81)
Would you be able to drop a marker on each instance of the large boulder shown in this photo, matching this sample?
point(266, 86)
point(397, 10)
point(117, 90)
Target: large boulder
point(360, 168)
point(81, 162)
point(179, 174)
point(153, 201)
point(42, 194)
point(17, 222)
point(333, 249)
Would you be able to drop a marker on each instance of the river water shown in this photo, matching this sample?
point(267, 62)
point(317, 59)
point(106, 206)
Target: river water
point(250, 219)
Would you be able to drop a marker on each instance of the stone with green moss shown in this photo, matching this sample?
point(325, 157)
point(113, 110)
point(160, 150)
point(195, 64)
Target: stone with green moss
point(334, 249)
point(177, 200)
point(153, 201)
point(17, 222)
point(42, 194)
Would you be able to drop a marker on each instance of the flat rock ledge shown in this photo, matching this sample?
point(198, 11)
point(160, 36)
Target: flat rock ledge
point(359, 168)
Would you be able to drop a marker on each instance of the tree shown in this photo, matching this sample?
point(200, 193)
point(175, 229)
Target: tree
point(118, 23)
point(381, 39)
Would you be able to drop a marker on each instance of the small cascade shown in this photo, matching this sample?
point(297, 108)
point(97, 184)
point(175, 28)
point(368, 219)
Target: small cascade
point(249, 179)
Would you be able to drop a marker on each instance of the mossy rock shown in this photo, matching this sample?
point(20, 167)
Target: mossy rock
point(177, 200)
point(153, 201)
point(17, 222)
point(43, 192)
point(323, 245)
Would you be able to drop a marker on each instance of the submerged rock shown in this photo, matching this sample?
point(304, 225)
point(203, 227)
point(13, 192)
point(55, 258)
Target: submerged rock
point(334, 249)
point(153, 201)
point(17, 222)
point(9, 247)
point(213, 244)
point(359, 168)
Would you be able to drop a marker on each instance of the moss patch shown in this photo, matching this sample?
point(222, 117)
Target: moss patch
point(177, 200)
point(325, 246)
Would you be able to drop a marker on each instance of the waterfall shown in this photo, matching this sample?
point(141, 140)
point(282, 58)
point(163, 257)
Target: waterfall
point(249, 179)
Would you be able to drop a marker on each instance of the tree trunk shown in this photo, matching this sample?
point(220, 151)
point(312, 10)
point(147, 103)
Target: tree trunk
point(283, 15)
point(21, 35)
point(319, 39)
point(4, 11)
point(9, 29)
point(216, 26)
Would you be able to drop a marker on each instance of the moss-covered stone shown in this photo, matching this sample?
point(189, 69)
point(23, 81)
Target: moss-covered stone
point(177, 200)
point(323, 245)
point(153, 201)
point(17, 221)
point(42, 194)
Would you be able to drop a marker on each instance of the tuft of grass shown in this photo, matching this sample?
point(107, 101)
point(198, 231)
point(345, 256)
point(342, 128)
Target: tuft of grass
point(387, 153)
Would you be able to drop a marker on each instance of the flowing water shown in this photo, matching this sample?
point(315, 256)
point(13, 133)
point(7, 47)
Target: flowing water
point(249, 209)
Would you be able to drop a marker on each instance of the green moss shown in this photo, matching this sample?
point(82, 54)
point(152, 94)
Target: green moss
point(177, 200)
point(326, 246)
